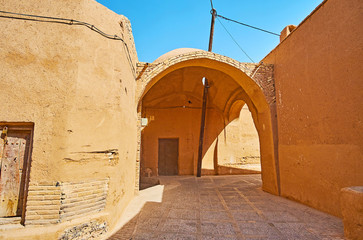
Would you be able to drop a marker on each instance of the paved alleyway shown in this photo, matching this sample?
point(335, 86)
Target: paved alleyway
point(226, 207)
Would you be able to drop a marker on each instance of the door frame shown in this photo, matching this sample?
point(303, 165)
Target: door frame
point(29, 127)
point(174, 138)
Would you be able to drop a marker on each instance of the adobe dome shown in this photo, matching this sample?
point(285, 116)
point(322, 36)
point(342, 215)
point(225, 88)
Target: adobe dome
point(175, 52)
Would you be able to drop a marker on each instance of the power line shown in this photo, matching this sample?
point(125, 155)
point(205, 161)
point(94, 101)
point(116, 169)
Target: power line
point(211, 4)
point(22, 16)
point(234, 40)
point(260, 29)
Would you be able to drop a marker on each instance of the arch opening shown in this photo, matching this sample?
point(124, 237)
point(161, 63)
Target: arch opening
point(236, 150)
point(171, 101)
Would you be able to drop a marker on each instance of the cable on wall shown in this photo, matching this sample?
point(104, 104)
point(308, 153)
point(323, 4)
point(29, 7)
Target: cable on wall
point(37, 18)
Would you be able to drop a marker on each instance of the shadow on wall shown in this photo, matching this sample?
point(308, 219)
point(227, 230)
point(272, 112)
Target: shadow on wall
point(236, 149)
point(173, 108)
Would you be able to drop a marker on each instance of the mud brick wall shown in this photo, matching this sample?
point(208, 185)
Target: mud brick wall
point(82, 198)
point(43, 203)
point(55, 202)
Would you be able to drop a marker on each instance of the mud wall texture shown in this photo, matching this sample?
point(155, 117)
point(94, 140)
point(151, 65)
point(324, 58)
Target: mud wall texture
point(238, 143)
point(78, 88)
point(319, 92)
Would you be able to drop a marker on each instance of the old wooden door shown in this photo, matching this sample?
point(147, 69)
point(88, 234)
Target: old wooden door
point(14, 152)
point(168, 156)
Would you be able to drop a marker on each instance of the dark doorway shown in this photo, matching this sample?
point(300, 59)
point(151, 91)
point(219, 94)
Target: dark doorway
point(168, 156)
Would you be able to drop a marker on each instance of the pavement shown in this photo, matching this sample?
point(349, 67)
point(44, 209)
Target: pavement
point(221, 207)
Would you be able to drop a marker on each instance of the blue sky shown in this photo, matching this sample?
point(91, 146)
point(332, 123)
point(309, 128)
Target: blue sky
point(160, 26)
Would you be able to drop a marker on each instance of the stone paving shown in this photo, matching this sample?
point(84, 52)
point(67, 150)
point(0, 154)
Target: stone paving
point(226, 207)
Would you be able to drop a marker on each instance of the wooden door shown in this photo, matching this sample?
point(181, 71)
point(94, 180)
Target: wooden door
point(14, 153)
point(168, 156)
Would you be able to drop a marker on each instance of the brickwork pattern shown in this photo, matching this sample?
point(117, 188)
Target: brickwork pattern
point(138, 154)
point(43, 203)
point(55, 202)
point(82, 198)
point(9, 220)
point(129, 39)
point(261, 73)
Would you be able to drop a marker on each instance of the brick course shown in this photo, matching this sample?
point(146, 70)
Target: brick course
point(43, 203)
point(55, 202)
point(260, 73)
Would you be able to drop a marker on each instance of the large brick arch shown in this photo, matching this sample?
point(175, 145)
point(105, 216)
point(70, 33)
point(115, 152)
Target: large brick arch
point(261, 74)
point(255, 79)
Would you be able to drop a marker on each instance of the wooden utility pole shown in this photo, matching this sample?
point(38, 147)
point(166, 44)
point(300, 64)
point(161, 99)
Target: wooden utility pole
point(214, 13)
point(202, 126)
point(204, 105)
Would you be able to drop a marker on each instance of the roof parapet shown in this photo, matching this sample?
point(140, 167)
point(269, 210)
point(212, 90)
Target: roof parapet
point(286, 31)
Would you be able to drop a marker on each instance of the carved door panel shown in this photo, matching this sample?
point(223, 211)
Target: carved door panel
point(168, 156)
point(14, 150)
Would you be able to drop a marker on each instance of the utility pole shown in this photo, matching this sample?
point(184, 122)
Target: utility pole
point(214, 13)
point(202, 126)
point(204, 105)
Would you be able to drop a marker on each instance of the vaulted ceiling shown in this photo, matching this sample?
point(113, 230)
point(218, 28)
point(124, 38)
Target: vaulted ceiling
point(183, 88)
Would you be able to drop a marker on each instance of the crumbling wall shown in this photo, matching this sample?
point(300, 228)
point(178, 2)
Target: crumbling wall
point(78, 88)
point(319, 91)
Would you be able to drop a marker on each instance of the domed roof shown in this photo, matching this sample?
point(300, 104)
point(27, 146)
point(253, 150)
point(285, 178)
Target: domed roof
point(175, 52)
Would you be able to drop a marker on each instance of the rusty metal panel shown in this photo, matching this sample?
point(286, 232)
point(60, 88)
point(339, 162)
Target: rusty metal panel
point(168, 156)
point(12, 163)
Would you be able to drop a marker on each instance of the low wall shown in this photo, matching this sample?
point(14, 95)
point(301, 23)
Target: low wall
point(352, 211)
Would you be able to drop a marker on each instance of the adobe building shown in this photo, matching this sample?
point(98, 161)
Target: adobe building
point(82, 120)
point(173, 107)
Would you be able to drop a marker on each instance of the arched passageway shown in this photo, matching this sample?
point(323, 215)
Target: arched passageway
point(169, 96)
point(236, 149)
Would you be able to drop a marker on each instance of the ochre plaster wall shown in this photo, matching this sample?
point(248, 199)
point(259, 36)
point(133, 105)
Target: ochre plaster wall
point(238, 143)
point(319, 89)
point(171, 123)
point(185, 125)
point(79, 90)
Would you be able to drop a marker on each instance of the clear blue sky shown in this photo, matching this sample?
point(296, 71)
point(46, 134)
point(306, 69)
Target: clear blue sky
point(160, 26)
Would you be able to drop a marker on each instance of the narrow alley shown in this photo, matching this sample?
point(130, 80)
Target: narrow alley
point(225, 207)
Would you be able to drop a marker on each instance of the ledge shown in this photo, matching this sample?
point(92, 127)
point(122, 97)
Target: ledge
point(352, 210)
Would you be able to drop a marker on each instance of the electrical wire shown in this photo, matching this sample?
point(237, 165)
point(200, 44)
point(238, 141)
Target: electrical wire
point(22, 16)
point(211, 4)
point(234, 40)
point(260, 29)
